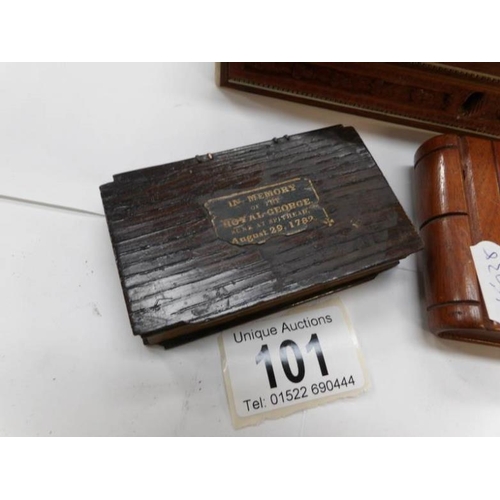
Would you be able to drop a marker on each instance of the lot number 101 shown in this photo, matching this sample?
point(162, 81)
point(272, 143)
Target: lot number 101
point(286, 347)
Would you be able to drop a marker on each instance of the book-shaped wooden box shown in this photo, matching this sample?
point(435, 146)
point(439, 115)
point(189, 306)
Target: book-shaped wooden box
point(215, 240)
point(457, 183)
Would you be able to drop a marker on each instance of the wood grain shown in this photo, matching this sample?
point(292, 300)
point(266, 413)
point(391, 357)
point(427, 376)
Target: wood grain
point(180, 280)
point(457, 187)
point(444, 97)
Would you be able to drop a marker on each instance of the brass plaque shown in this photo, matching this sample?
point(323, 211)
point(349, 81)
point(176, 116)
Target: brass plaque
point(253, 216)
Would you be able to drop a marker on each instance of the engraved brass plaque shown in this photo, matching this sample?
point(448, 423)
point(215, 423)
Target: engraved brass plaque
point(253, 216)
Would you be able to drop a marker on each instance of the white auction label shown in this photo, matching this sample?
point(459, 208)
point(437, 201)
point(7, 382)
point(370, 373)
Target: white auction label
point(486, 255)
point(290, 361)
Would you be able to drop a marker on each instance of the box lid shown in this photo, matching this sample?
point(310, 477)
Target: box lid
point(212, 240)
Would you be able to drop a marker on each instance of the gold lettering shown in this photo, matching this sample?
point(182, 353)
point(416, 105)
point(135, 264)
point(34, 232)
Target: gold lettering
point(250, 238)
point(278, 191)
point(234, 203)
point(234, 221)
point(287, 207)
point(255, 197)
point(255, 216)
point(272, 201)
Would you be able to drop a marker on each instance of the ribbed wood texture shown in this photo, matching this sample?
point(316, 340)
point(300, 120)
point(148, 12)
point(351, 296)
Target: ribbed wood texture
point(180, 279)
point(457, 183)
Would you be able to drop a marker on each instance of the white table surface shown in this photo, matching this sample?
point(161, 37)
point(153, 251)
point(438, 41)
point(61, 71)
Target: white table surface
point(69, 364)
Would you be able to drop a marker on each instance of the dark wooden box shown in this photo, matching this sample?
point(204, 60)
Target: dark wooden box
point(444, 97)
point(212, 240)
